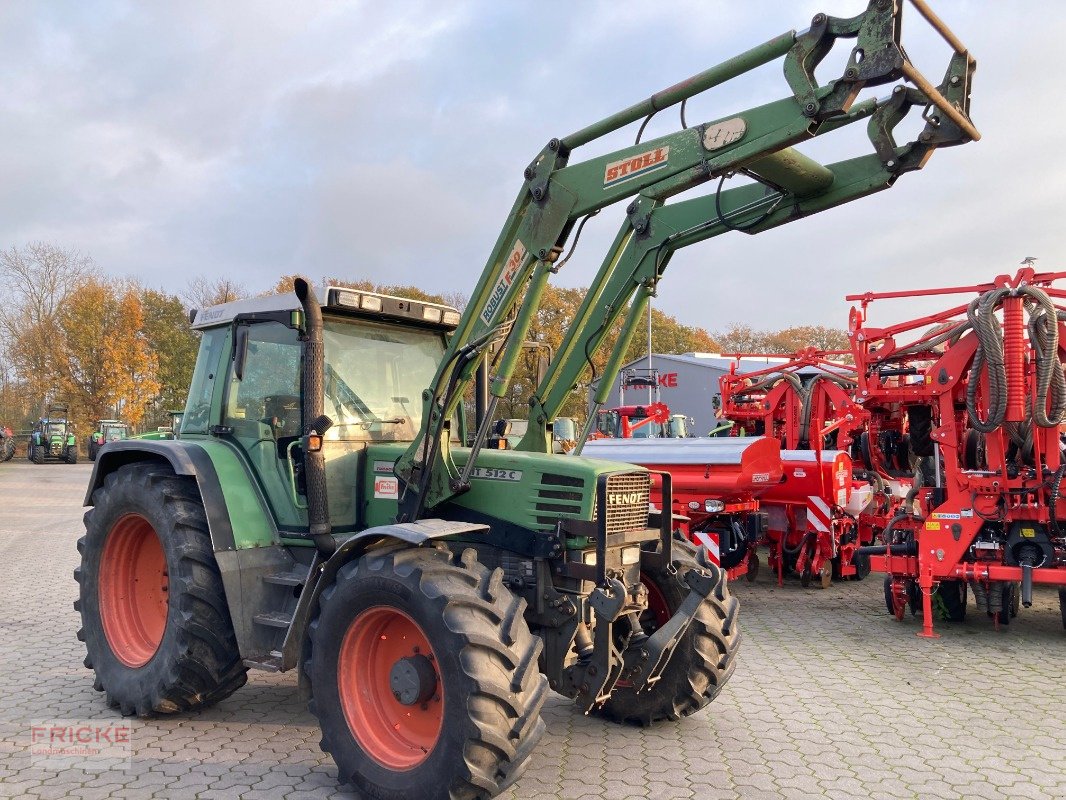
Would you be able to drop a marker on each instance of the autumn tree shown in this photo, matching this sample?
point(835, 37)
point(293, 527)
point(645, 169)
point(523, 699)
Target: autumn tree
point(37, 282)
point(745, 339)
point(107, 367)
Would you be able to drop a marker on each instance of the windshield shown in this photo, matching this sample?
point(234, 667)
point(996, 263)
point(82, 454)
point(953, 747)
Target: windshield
point(56, 428)
point(114, 431)
point(374, 378)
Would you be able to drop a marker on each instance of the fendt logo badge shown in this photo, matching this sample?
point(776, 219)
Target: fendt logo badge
point(510, 269)
point(628, 168)
point(623, 498)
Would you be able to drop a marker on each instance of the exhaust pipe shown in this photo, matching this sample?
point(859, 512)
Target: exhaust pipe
point(314, 421)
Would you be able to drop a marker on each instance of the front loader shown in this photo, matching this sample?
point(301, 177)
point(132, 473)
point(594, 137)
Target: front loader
point(320, 510)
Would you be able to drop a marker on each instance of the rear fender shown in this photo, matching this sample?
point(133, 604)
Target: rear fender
point(185, 460)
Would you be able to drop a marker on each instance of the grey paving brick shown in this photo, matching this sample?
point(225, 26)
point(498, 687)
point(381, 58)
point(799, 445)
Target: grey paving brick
point(831, 698)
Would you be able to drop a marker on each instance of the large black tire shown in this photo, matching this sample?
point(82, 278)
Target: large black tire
point(196, 662)
point(485, 667)
point(704, 658)
point(7, 449)
point(950, 601)
point(93, 447)
point(920, 422)
point(36, 454)
point(889, 602)
point(1062, 606)
point(71, 456)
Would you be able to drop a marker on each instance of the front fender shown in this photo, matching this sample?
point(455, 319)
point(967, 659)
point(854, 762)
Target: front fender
point(324, 573)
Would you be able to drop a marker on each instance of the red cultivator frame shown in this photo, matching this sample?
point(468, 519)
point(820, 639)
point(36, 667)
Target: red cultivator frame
point(979, 391)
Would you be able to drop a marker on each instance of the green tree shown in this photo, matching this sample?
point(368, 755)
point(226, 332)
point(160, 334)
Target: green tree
point(168, 334)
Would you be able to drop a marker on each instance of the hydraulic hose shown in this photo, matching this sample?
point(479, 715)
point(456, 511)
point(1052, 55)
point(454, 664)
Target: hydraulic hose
point(1000, 354)
point(988, 357)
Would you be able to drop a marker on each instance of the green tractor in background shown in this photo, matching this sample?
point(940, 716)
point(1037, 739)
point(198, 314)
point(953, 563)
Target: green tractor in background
point(170, 431)
point(107, 430)
point(53, 437)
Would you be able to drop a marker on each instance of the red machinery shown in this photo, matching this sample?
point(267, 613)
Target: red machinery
point(629, 422)
point(717, 483)
point(794, 400)
point(651, 420)
point(819, 515)
point(979, 391)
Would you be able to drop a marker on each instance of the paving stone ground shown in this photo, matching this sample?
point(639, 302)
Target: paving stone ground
point(831, 698)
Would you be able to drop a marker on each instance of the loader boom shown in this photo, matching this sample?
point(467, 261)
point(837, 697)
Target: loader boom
point(756, 141)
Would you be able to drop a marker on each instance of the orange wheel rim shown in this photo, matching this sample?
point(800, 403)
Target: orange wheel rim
point(381, 645)
point(133, 590)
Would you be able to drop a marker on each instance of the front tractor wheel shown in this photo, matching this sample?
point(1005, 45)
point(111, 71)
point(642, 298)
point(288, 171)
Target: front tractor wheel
point(704, 658)
point(154, 616)
point(424, 676)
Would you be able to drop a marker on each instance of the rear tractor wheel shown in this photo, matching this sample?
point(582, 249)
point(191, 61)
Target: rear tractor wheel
point(949, 602)
point(704, 658)
point(424, 676)
point(36, 453)
point(153, 609)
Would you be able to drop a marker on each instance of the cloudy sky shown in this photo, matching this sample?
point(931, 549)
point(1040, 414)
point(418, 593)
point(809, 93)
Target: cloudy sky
point(387, 141)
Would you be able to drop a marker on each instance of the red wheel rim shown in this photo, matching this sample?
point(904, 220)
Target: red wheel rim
point(657, 604)
point(397, 736)
point(133, 590)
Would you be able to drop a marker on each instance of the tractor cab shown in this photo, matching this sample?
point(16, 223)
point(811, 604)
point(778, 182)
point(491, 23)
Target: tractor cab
point(380, 352)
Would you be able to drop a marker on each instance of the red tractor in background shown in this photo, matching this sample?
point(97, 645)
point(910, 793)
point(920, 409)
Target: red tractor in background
point(815, 516)
point(976, 396)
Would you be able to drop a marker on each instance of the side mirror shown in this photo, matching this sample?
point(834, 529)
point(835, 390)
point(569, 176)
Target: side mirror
point(240, 351)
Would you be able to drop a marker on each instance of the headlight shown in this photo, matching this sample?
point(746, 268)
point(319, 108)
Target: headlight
point(694, 505)
point(713, 506)
point(350, 299)
point(589, 558)
point(370, 302)
point(631, 555)
point(431, 314)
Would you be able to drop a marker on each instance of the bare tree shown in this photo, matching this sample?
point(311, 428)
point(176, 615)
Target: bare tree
point(202, 291)
point(36, 280)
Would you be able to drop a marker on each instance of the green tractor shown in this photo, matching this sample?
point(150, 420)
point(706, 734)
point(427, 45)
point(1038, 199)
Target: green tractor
point(170, 431)
point(327, 509)
point(53, 438)
point(107, 430)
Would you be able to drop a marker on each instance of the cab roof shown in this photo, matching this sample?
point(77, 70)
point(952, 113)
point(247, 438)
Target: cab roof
point(335, 299)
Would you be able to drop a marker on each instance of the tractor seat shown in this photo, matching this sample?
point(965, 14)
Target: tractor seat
point(282, 412)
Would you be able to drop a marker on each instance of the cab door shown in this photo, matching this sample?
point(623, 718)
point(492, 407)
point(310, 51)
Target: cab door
point(262, 412)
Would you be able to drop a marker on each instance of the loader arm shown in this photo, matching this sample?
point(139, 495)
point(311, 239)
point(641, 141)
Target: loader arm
point(653, 231)
point(557, 193)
